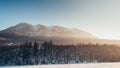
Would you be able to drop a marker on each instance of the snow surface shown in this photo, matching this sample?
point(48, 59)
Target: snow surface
point(83, 65)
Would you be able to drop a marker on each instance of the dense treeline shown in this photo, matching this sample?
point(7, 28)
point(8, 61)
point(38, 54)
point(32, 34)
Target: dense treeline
point(4, 48)
point(48, 53)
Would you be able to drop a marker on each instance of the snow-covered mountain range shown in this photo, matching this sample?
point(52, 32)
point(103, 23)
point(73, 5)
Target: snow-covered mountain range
point(39, 30)
point(26, 32)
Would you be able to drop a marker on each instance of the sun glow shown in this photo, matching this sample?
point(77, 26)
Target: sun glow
point(109, 36)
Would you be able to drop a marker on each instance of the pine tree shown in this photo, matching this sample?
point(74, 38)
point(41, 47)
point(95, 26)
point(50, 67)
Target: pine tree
point(25, 51)
point(36, 48)
point(30, 48)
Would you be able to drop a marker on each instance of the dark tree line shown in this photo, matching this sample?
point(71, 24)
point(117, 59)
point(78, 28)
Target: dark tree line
point(48, 53)
point(28, 50)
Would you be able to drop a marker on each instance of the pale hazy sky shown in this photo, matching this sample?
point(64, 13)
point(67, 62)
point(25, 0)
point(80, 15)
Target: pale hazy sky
point(99, 17)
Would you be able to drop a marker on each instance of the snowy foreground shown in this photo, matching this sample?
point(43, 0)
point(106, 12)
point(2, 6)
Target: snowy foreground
point(86, 65)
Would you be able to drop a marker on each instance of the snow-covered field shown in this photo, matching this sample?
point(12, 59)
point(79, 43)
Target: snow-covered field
point(83, 65)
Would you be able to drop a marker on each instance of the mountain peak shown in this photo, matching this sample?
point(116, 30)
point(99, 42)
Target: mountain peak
point(23, 24)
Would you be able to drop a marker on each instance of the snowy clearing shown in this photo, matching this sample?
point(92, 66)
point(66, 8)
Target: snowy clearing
point(83, 65)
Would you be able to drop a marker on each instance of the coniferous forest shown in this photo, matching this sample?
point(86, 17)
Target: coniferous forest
point(33, 53)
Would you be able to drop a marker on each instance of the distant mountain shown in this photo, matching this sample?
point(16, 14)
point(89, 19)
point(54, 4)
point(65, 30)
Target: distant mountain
point(23, 32)
point(24, 29)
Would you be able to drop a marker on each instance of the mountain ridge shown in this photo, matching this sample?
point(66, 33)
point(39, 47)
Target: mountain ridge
point(26, 32)
point(26, 29)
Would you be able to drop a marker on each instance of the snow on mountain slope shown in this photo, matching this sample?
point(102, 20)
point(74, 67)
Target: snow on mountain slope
point(46, 31)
